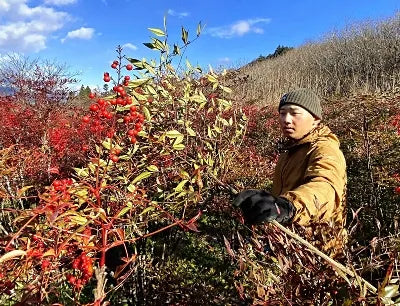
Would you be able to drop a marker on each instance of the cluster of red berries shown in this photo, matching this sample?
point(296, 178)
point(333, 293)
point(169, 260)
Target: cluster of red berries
point(83, 271)
point(115, 63)
point(61, 185)
point(114, 152)
point(134, 120)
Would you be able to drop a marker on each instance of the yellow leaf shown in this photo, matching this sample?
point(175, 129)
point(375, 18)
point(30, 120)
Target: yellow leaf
point(107, 144)
point(226, 89)
point(146, 113)
point(12, 255)
point(150, 208)
point(141, 176)
point(79, 220)
point(81, 172)
point(178, 147)
point(123, 211)
point(49, 252)
point(178, 140)
point(179, 188)
point(152, 168)
point(21, 191)
point(157, 32)
point(211, 78)
point(173, 134)
point(190, 131)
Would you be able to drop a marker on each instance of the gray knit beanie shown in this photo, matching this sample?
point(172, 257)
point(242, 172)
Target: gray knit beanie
point(305, 98)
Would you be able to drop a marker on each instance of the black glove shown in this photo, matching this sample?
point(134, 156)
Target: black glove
point(258, 206)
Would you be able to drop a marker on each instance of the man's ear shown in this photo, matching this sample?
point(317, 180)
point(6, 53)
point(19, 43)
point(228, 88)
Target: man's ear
point(316, 121)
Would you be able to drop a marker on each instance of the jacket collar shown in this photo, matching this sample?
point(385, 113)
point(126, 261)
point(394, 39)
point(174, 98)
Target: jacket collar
point(320, 130)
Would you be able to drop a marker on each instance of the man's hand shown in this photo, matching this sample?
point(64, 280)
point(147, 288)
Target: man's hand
point(258, 206)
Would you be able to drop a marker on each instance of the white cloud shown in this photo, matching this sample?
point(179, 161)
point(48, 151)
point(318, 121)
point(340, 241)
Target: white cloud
point(224, 60)
point(81, 33)
point(129, 46)
point(26, 29)
point(239, 28)
point(179, 14)
point(59, 2)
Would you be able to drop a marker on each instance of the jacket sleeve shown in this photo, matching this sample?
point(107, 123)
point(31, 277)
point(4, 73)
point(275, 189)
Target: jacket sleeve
point(319, 198)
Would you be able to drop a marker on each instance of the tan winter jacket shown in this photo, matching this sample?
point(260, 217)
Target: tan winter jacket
point(311, 173)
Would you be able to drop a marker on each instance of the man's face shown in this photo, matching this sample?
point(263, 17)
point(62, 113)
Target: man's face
point(295, 121)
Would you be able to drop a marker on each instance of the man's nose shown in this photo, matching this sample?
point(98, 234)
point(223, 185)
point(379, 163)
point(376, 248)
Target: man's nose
point(286, 118)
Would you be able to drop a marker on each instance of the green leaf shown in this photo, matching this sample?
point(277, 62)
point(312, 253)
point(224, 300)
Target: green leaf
point(150, 46)
point(178, 147)
point(173, 134)
point(157, 32)
point(180, 186)
point(184, 36)
point(177, 50)
point(152, 168)
point(141, 176)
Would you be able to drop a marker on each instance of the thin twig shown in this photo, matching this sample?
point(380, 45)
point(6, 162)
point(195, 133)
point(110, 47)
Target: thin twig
point(305, 242)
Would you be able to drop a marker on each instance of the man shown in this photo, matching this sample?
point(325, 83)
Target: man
point(310, 176)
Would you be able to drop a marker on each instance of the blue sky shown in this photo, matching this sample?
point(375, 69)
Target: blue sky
point(83, 34)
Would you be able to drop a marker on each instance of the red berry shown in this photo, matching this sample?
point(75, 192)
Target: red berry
point(133, 140)
point(115, 62)
point(131, 132)
point(107, 79)
point(94, 107)
point(114, 158)
point(86, 119)
point(129, 67)
point(45, 264)
point(113, 66)
point(92, 95)
point(397, 190)
point(132, 108)
point(127, 78)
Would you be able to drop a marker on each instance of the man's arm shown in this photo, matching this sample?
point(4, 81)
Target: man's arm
point(319, 197)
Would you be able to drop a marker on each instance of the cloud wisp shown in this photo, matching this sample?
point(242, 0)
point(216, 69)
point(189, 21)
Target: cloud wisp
point(239, 28)
point(26, 29)
point(81, 33)
point(177, 14)
point(59, 2)
point(129, 46)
